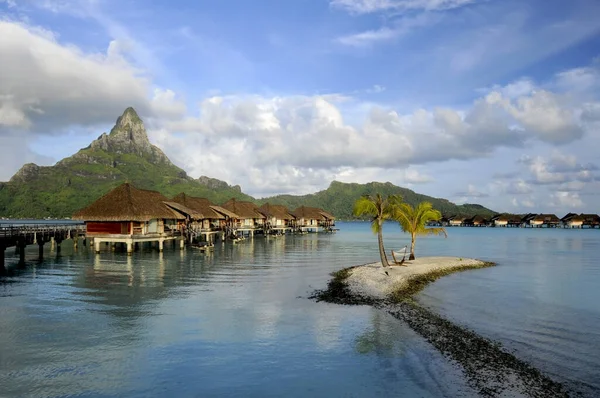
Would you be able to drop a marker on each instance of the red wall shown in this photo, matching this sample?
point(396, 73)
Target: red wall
point(107, 228)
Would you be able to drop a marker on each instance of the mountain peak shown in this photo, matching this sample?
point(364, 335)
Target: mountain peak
point(129, 136)
point(129, 119)
point(27, 172)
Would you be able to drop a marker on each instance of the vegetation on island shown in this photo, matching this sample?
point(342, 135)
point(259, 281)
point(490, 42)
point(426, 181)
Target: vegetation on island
point(339, 198)
point(414, 220)
point(378, 209)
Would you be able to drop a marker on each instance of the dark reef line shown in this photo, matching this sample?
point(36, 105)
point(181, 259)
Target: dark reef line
point(488, 368)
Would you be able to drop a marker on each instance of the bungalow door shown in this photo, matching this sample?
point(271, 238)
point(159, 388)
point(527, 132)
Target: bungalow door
point(152, 226)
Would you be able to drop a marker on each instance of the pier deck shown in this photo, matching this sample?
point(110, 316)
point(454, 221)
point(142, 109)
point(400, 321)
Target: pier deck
point(21, 235)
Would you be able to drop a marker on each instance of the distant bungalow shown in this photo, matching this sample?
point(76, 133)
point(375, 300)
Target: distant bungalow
point(532, 220)
point(312, 218)
point(249, 218)
point(278, 218)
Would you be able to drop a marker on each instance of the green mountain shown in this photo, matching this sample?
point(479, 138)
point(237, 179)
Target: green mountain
point(126, 155)
point(339, 199)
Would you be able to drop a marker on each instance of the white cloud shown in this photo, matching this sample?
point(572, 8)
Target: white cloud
point(399, 27)
point(47, 85)
point(368, 37)
point(559, 168)
point(570, 200)
point(309, 137)
point(413, 176)
point(471, 192)
point(371, 6)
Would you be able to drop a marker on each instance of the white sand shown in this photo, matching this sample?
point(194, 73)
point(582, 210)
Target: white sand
point(370, 280)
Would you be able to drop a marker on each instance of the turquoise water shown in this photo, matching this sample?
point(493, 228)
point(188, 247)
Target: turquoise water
point(238, 323)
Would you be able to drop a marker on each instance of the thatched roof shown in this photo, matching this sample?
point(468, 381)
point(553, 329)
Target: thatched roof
point(243, 209)
point(200, 205)
point(128, 203)
point(568, 217)
point(277, 211)
point(225, 212)
point(511, 218)
point(547, 218)
point(193, 214)
point(574, 218)
point(476, 220)
point(591, 218)
point(327, 215)
point(312, 213)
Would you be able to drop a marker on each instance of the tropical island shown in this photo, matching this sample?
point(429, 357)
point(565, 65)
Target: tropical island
point(391, 286)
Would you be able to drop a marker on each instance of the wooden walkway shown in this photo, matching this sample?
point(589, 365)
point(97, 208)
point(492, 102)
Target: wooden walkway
point(21, 235)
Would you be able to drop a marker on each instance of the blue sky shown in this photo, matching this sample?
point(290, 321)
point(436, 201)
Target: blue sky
point(486, 101)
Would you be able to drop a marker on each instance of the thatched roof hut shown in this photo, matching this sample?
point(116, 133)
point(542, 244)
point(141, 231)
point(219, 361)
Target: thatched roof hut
point(225, 212)
point(243, 209)
point(128, 203)
point(192, 214)
point(546, 219)
point(591, 219)
point(276, 211)
point(476, 220)
point(199, 205)
point(312, 213)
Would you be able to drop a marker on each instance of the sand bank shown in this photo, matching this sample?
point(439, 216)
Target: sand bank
point(377, 282)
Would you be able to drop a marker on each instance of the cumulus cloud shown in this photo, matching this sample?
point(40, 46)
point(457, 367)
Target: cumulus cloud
point(559, 168)
point(47, 85)
point(310, 136)
point(412, 176)
point(472, 192)
point(566, 200)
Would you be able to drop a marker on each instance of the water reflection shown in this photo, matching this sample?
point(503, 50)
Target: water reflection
point(234, 321)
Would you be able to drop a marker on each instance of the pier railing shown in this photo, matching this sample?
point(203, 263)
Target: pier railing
point(11, 232)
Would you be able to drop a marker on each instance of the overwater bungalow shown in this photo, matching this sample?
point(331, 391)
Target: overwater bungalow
point(130, 215)
point(211, 222)
point(506, 220)
point(591, 220)
point(457, 221)
point(312, 218)
point(544, 220)
point(277, 217)
point(572, 220)
point(249, 216)
point(476, 221)
point(527, 218)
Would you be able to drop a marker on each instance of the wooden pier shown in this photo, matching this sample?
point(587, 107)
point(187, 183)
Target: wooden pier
point(21, 235)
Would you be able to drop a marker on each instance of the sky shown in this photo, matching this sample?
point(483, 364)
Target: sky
point(494, 102)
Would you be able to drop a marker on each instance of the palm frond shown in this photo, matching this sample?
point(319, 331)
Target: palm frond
point(433, 231)
point(365, 205)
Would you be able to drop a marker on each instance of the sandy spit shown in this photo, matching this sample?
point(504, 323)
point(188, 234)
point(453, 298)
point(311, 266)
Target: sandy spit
point(371, 280)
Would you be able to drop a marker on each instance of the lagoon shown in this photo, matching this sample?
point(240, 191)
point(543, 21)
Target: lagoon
point(238, 322)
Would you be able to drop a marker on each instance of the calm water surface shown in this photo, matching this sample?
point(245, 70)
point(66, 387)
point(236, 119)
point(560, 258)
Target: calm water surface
point(238, 323)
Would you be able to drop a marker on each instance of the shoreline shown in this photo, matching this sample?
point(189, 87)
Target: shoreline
point(488, 368)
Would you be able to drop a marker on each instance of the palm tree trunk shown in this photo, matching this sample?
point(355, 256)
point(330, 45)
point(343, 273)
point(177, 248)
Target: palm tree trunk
point(412, 246)
point(384, 260)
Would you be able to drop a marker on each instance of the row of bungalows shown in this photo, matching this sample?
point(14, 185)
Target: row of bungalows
point(531, 220)
point(131, 215)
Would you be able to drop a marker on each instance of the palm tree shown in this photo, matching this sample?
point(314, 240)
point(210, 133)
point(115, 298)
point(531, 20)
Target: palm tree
point(379, 209)
point(413, 220)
